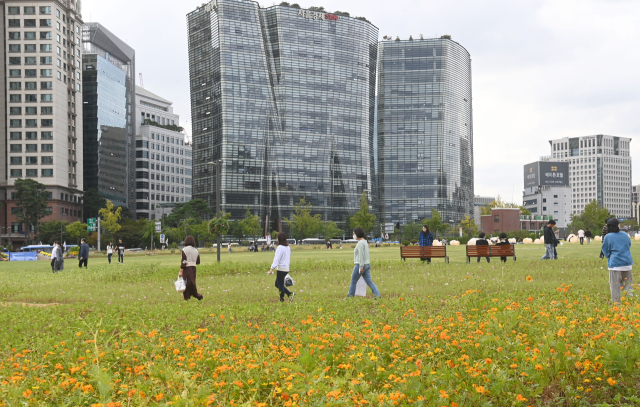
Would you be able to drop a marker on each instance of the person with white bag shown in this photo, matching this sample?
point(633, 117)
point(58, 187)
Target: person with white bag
point(190, 259)
point(281, 262)
point(362, 265)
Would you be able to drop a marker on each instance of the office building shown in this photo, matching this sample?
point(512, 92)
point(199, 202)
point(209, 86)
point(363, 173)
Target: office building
point(285, 97)
point(108, 66)
point(425, 130)
point(480, 202)
point(163, 157)
point(42, 102)
point(599, 169)
point(547, 191)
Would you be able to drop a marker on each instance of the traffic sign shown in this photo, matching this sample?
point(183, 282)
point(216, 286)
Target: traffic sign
point(161, 239)
point(91, 225)
point(158, 227)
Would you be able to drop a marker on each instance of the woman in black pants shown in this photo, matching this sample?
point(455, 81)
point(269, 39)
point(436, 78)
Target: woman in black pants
point(281, 262)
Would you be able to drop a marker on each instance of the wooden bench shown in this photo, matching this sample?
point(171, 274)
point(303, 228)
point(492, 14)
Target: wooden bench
point(506, 250)
point(424, 252)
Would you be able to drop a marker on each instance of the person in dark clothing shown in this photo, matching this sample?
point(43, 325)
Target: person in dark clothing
point(190, 259)
point(120, 252)
point(83, 255)
point(425, 239)
point(549, 241)
point(503, 241)
point(588, 235)
point(482, 241)
point(605, 230)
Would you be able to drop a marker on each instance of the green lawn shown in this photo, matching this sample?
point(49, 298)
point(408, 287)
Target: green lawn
point(441, 335)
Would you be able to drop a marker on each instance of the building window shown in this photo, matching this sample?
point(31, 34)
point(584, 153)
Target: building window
point(29, 10)
point(14, 35)
point(30, 23)
point(31, 73)
point(31, 110)
point(47, 147)
point(47, 160)
point(45, 48)
point(15, 123)
point(31, 135)
point(46, 73)
point(14, 48)
point(31, 148)
point(31, 123)
point(14, 23)
point(46, 110)
point(30, 60)
point(30, 35)
point(16, 160)
point(31, 160)
point(13, 11)
point(47, 97)
point(46, 135)
point(32, 172)
point(44, 22)
point(15, 61)
point(496, 218)
point(16, 173)
point(47, 122)
point(15, 135)
point(45, 10)
point(46, 61)
point(15, 110)
point(46, 85)
point(47, 172)
point(31, 85)
point(45, 35)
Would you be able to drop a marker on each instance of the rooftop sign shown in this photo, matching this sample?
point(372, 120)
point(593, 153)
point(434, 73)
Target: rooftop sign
point(317, 15)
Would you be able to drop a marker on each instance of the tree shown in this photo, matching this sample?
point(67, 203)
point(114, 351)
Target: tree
point(499, 203)
point(593, 217)
point(235, 229)
point(468, 226)
point(197, 209)
point(201, 232)
point(411, 230)
point(629, 224)
point(436, 226)
point(302, 223)
point(92, 202)
point(127, 214)
point(131, 232)
point(250, 225)
point(149, 233)
point(76, 231)
point(331, 229)
point(50, 231)
point(32, 198)
point(363, 218)
point(110, 218)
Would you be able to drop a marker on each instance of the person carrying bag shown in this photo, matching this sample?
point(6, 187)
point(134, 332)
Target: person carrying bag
point(281, 262)
point(190, 259)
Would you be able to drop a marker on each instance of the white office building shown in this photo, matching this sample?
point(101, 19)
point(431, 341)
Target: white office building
point(42, 106)
point(163, 157)
point(599, 169)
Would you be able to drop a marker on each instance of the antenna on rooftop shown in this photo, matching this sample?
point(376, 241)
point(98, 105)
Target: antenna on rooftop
point(141, 81)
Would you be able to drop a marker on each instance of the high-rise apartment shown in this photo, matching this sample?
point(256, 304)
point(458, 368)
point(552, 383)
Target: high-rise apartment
point(547, 191)
point(425, 130)
point(42, 102)
point(108, 66)
point(163, 157)
point(285, 98)
point(599, 169)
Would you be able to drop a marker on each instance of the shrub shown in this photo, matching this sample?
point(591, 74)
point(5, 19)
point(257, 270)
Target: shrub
point(405, 243)
point(414, 241)
point(244, 243)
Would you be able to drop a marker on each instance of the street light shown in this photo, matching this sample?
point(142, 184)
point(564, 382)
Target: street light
point(218, 165)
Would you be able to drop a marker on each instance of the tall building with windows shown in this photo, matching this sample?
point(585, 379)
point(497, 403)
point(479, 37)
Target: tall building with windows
point(108, 66)
point(425, 130)
point(547, 191)
point(599, 169)
point(285, 97)
point(42, 102)
point(164, 164)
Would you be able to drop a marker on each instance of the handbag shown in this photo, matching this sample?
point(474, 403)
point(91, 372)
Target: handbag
point(288, 281)
point(180, 284)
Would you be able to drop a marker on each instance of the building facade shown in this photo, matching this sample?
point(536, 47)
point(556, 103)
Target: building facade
point(425, 130)
point(599, 169)
point(285, 98)
point(547, 191)
point(478, 203)
point(163, 157)
point(42, 103)
point(108, 66)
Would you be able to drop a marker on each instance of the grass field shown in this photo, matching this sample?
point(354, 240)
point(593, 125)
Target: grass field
point(524, 333)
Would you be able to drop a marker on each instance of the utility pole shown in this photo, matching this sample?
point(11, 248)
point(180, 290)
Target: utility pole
point(98, 233)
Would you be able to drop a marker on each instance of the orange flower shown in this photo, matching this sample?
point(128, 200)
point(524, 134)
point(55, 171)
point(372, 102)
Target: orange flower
point(131, 393)
point(519, 397)
point(444, 394)
point(26, 393)
point(488, 361)
point(530, 298)
point(238, 383)
point(78, 333)
point(529, 278)
point(611, 381)
point(454, 404)
point(480, 389)
point(159, 397)
point(538, 367)
point(176, 351)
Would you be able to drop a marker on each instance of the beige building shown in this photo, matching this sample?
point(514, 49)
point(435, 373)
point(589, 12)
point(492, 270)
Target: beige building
point(41, 46)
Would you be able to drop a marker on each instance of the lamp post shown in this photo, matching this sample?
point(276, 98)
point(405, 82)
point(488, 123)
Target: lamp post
point(218, 165)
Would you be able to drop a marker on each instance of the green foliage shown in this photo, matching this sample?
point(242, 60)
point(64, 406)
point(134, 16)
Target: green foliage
point(342, 13)
point(594, 217)
point(196, 209)
point(436, 226)
point(110, 218)
point(50, 231)
point(312, 8)
point(32, 198)
point(499, 203)
point(303, 224)
point(520, 235)
point(76, 231)
point(285, 4)
point(331, 230)
point(171, 127)
point(363, 218)
point(468, 226)
point(406, 243)
point(131, 233)
point(235, 229)
point(411, 230)
point(148, 233)
point(295, 5)
point(250, 224)
point(92, 202)
point(629, 224)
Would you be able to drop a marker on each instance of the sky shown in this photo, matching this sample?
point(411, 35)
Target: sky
point(542, 69)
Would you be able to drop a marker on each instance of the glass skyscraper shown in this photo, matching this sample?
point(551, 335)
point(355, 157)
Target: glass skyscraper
point(286, 98)
point(425, 130)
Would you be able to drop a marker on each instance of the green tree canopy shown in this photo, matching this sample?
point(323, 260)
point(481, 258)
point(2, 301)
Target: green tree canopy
point(363, 218)
point(436, 226)
point(32, 198)
point(303, 224)
point(92, 202)
point(76, 231)
point(411, 230)
point(499, 203)
point(131, 232)
point(330, 230)
point(593, 217)
point(468, 226)
point(110, 218)
point(197, 209)
point(50, 231)
point(250, 225)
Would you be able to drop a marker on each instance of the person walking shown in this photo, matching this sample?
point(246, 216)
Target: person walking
point(121, 252)
point(362, 265)
point(190, 259)
point(482, 241)
point(53, 257)
point(616, 247)
point(588, 235)
point(59, 264)
point(503, 241)
point(83, 255)
point(109, 251)
point(549, 241)
point(581, 236)
point(281, 264)
point(425, 239)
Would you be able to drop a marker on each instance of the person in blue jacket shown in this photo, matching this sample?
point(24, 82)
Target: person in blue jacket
point(83, 255)
point(616, 247)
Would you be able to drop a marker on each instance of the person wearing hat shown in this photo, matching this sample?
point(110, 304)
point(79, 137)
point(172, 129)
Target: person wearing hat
point(549, 241)
point(616, 247)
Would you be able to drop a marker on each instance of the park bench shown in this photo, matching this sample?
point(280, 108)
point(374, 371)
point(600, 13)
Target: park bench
point(424, 252)
point(507, 250)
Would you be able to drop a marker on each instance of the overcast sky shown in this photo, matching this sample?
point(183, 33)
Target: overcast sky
point(541, 69)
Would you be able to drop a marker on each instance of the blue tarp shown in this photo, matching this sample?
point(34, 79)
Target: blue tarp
point(24, 256)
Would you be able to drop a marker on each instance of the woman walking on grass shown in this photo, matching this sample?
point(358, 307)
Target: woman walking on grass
point(281, 262)
point(362, 265)
point(617, 248)
point(190, 259)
